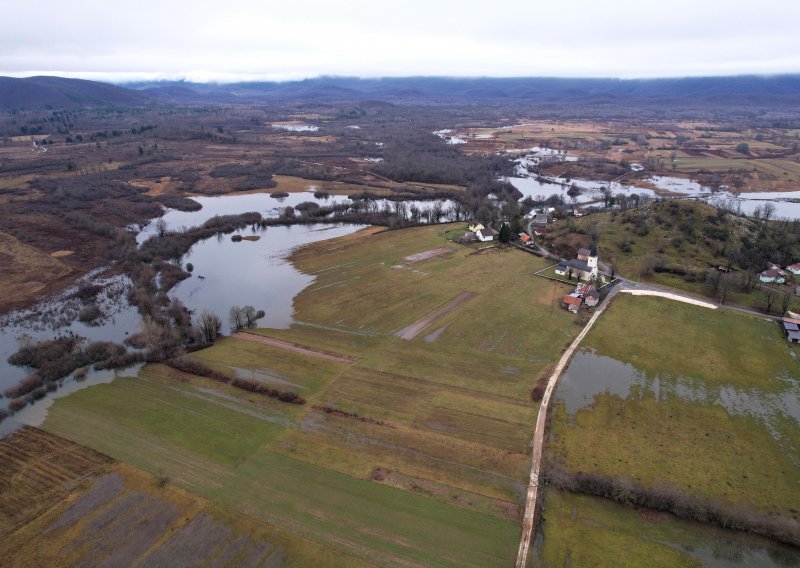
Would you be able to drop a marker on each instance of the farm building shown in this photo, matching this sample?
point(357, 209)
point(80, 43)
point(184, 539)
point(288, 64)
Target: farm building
point(791, 328)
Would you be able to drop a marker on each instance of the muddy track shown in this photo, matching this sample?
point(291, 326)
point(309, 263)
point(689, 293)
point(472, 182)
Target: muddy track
point(293, 347)
point(411, 331)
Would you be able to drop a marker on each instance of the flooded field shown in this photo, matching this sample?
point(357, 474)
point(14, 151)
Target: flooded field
point(590, 375)
point(784, 204)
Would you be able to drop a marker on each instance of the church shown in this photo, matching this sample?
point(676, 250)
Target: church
point(584, 267)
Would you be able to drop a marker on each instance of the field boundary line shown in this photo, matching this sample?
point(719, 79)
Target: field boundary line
point(418, 326)
point(295, 348)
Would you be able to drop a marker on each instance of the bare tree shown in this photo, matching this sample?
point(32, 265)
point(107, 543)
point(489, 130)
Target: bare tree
point(209, 325)
point(236, 318)
point(248, 316)
point(767, 211)
point(161, 227)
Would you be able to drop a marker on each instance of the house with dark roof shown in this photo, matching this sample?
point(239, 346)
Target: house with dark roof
point(540, 220)
point(592, 298)
point(485, 234)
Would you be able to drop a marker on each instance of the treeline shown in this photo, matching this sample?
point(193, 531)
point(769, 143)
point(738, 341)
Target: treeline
point(195, 367)
point(174, 245)
point(53, 360)
point(671, 499)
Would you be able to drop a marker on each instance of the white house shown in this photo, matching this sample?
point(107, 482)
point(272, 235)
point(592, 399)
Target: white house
point(485, 234)
point(772, 275)
point(794, 268)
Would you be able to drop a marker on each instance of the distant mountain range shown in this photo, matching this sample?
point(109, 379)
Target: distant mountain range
point(58, 92)
point(62, 93)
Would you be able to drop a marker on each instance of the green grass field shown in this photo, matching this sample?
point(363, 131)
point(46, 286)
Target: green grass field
point(587, 531)
point(417, 453)
point(745, 452)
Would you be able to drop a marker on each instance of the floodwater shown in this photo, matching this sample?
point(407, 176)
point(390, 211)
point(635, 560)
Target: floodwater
point(590, 375)
point(244, 273)
point(296, 127)
point(254, 273)
point(785, 204)
point(58, 316)
point(269, 207)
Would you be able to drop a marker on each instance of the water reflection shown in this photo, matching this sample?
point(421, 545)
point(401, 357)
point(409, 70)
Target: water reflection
point(253, 273)
point(590, 375)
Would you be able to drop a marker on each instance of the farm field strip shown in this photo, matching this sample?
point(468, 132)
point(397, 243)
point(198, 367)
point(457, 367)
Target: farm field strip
point(294, 347)
point(436, 431)
point(411, 331)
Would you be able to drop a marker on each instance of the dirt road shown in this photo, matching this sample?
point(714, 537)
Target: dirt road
point(293, 347)
point(411, 331)
point(538, 437)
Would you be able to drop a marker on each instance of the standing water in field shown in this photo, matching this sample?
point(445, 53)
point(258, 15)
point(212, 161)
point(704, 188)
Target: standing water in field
point(226, 273)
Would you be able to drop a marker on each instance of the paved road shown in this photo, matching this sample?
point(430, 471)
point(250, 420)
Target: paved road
point(632, 284)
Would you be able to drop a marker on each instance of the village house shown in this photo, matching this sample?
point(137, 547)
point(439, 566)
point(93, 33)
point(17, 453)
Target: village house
point(772, 275)
point(540, 220)
point(485, 234)
point(525, 239)
point(592, 298)
point(794, 268)
point(572, 302)
point(539, 231)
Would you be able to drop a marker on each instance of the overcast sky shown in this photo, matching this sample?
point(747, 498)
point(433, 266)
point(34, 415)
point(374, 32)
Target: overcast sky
point(224, 40)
